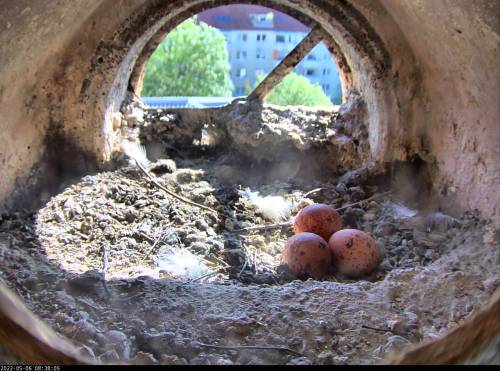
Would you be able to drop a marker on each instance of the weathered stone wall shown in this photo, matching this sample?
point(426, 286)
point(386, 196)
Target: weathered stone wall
point(456, 44)
point(428, 72)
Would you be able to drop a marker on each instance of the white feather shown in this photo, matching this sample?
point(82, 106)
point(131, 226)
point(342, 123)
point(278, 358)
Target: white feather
point(274, 208)
point(181, 263)
point(136, 152)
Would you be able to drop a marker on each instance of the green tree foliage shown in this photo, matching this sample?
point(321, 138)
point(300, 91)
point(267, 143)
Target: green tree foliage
point(296, 90)
point(191, 61)
point(248, 87)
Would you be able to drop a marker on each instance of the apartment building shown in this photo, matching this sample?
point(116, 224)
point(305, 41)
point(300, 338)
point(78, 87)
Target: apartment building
point(258, 38)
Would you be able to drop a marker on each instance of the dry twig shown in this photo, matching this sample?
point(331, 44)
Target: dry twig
point(289, 224)
point(311, 192)
point(105, 268)
point(264, 227)
point(384, 330)
point(152, 178)
point(378, 195)
point(207, 275)
point(245, 251)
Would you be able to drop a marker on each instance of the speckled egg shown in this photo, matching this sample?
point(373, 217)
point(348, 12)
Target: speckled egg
point(319, 219)
point(307, 255)
point(355, 253)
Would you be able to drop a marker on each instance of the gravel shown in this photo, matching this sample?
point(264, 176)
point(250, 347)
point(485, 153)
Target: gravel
point(88, 261)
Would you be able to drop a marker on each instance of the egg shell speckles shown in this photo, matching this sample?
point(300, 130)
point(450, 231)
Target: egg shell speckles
point(355, 253)
point(307, 256)
point(319, 219)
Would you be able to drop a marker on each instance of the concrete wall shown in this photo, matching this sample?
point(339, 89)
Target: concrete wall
point(427, 69)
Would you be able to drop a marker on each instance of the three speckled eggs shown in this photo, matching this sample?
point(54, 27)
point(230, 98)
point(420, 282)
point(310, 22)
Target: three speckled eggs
point(320, 246)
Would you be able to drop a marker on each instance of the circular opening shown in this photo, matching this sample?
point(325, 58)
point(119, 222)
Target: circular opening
point(227, 51)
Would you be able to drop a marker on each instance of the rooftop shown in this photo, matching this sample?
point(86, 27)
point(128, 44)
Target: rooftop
point(250, 17)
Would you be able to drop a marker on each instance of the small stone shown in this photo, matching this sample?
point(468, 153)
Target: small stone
point(199, 247)
point(491, 284)
point(163, 166)
point(65, 299)
point(172, 360)
point(87, 327)
point(385, 229)
point(158, 343)
point(87, 352)
point(116, 337)
point(369, 216)
point(303, 203)
point(215, 245)
point(201, 225)
point(299, 361)
point(110, 357)
point(119, 341)
point(131, 214)
point(193, 237)
point(357, 193)
point(142, 358)
point(386, 265)
point(188, 175)
point(340, 360)
point(341, 188)
point(326, 358)
point(397, 324)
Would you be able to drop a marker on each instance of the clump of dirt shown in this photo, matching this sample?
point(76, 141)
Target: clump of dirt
point(291, 141)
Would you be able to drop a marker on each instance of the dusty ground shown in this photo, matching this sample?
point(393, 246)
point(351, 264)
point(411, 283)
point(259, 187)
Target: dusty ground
point(132, 275)
point(436, 271)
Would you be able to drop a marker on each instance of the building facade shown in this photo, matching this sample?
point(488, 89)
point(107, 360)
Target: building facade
point(258, 38)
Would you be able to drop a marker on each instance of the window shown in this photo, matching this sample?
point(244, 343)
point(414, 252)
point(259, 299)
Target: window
point(289, 38)
point(311, 57)
point(326, 71)
point(241, 54)
point(280, 38)
point(260, 54)
point(239, 90)
point(261, 37)
point(244, 37)
point(326, 87)
point(310, 72)
point(241, 72)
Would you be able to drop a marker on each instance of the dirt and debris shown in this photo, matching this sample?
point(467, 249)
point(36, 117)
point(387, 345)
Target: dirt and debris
point(132, 275)
point(286, 141)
